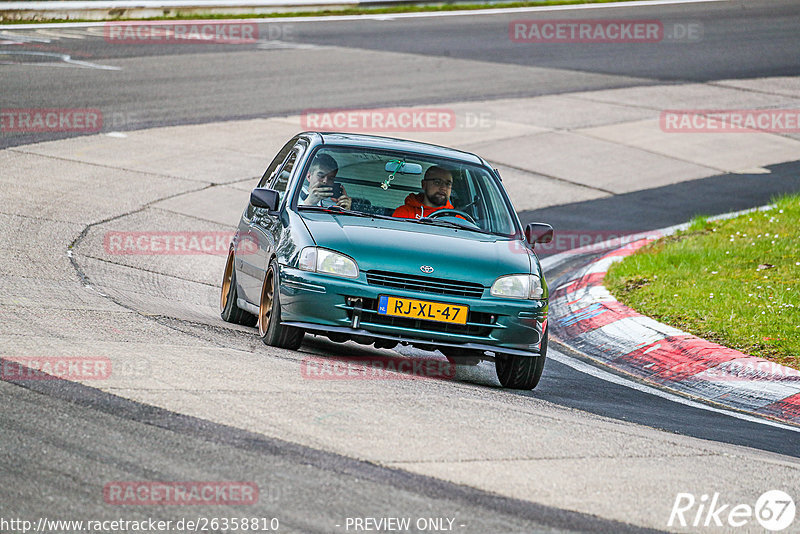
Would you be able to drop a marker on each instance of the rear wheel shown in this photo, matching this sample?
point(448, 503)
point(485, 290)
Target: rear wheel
point(228, 309)
point(521, 372)
point(269, 315)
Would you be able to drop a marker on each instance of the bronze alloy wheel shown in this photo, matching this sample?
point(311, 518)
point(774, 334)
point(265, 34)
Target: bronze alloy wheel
point(265, 309)
point(229, 308)
point(227, 279)
point(272, 332)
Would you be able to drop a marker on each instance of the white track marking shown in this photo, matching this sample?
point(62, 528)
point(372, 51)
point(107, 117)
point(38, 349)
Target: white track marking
point(283, 45)
point(61, 34)
point(23, 38)
point(66, 58)
point(596, 372)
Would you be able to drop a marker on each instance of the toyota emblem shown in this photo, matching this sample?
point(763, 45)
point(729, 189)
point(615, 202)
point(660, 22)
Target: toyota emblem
point(426, 269)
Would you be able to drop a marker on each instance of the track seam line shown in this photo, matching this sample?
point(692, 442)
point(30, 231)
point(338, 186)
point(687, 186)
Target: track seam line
point(653, 152)
point(557, 179)
point(555, 458)
point(712, 83)
point(102, 166)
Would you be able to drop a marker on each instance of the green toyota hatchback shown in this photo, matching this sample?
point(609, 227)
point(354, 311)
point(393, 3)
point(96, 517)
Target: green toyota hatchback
point(384, 241)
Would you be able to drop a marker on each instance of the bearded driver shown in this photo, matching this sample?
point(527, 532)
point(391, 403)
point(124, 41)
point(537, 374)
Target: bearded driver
point(435, 195)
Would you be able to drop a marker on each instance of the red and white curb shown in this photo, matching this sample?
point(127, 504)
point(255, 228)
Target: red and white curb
point(586, 317)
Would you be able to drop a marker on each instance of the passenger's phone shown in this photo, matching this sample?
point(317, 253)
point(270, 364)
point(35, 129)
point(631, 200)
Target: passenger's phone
point(337, 190)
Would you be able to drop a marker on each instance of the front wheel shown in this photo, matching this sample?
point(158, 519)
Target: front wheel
point(269, 315)
point(521, 372)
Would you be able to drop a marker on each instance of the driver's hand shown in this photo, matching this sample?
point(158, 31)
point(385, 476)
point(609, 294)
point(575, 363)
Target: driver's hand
point(318, 192)
point(344, 201)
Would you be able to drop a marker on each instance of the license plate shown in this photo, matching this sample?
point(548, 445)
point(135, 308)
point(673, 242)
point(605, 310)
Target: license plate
point(422, 309)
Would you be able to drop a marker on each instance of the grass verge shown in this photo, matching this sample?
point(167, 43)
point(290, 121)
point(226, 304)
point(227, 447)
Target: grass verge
point(400, 8)
point(735, 282)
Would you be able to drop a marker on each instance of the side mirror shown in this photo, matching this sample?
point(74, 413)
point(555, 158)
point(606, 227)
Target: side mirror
point(265, 198)
point(538, 233)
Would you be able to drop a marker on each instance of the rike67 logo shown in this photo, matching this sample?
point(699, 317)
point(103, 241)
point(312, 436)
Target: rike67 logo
point(774, 510)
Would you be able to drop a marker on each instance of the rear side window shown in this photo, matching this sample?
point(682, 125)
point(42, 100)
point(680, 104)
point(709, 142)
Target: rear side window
point(281, 179)
point(279, 158)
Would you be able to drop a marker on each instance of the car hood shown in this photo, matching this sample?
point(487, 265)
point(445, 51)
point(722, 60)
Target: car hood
point(403, 246)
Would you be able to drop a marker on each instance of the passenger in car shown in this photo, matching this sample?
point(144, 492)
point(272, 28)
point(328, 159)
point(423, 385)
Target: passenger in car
point(321, 185)
point(436, 187)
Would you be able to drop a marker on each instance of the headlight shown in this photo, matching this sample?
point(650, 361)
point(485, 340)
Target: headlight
point(518, 286)
point(326, 261)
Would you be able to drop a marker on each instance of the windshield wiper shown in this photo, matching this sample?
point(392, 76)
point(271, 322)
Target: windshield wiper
point(339, 209)
point(320, 208)
point(424, 220)
point(450, 224)
point(335, 209)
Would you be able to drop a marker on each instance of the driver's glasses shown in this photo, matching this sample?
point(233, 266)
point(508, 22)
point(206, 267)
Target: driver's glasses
point(440, 183)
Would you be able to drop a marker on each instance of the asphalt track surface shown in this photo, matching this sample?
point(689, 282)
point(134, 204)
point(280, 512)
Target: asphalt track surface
point(168, 84)
point(59, 439)
point(60, 446)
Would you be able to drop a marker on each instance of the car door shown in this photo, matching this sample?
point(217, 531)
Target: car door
point(263, 227)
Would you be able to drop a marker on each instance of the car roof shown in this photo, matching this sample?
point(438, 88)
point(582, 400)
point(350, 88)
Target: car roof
point(403, 145)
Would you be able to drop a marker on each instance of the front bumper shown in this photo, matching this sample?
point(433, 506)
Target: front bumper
point(324, 303)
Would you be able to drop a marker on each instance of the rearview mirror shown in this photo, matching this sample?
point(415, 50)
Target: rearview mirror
point(402, 167)
point(264, 198)
point(538, 233)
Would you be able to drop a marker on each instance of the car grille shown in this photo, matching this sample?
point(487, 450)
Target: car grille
point(426, 284)
point(482, 326)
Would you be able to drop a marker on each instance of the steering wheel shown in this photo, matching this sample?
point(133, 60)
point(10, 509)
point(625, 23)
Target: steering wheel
point(447, 211)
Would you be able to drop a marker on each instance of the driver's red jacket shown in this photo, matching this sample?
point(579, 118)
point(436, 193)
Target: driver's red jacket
point(415, 209)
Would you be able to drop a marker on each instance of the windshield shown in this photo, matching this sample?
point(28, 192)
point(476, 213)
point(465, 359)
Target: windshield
point(405, 186)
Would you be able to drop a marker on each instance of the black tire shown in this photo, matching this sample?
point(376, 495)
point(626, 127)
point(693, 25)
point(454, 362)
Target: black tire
point(521, 372)
point(228, 309)
point(269, 315)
